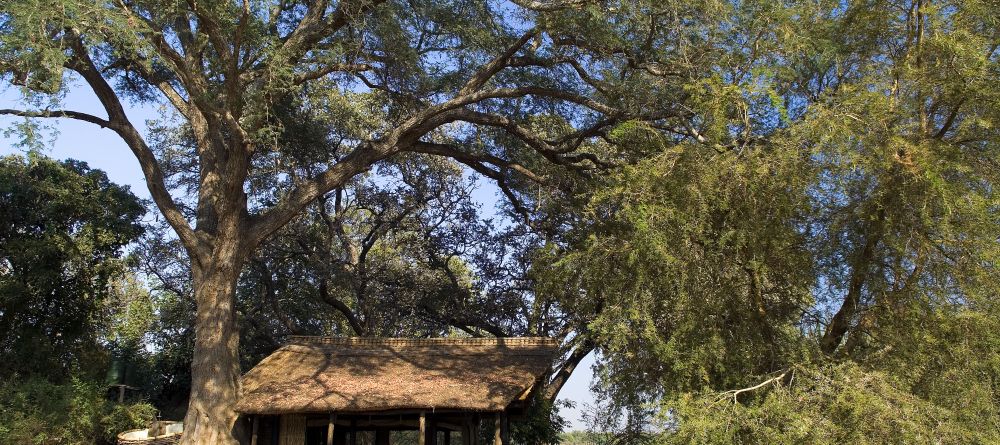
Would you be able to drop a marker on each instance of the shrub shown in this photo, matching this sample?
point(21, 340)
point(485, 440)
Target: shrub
point(35, 411)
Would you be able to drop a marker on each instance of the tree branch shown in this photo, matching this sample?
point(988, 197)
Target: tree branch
point(352, 319)
point(566, 369)
point(103, 123)
point(555, 154)
point(331, 68)
point(840, 323)
point(271, 294)
point(454, 152)
point(118, 121)
point(733, 394)
point(494, 66)
point(313, 28)
point(193, 81)
point(551, 6)
point(357, 161)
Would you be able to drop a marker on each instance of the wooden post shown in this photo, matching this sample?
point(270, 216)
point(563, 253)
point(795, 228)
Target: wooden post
point(497, 437)
point(476, 424)
point(422, 440)
point(330, 428)
point(504, 428)
point(447, 437)
point(293, 429)
point(354, 431)
point(381, 436)
point(432, 432)
point(467, 430)
point(256, 426)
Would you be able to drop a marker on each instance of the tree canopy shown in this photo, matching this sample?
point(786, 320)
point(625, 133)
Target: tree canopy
point(776, 221)
point(65, 291)
point(505, 89)
point(835, 271)
point(61, 246)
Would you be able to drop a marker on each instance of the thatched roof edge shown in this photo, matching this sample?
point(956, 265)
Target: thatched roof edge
point(379, 374)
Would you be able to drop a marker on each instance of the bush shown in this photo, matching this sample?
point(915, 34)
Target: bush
point(34, 411)
point(834, 404)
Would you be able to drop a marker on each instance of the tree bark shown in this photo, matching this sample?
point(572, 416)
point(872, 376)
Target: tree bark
point(840, 324)
point(215, 369)
point(562, 375)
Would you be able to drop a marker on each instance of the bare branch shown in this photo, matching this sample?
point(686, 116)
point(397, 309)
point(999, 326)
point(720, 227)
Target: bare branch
point(949, 121)
point(560, 377)
point(271, 295)
point(494, 66)
point(581, 72)
point(418, 125)
point(59, 113)
point(478, 166)
point(180, 104)
point(118, 121)
point(359, 160)
point(346, 311)
point(467, 324)
point(192, 80)
point(313, 28)
point(860, 264)
point(557, 154)
point(215, 36)
point(332, 68)
point(733, 394)
point(465, 157)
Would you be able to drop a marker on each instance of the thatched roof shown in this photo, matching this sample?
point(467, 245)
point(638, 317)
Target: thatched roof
point(321, 374)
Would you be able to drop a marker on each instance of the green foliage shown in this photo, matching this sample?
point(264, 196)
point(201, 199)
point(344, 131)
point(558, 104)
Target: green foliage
point(832, 404)
point(718, 237)
point(810, 189)
point(37, 412)
point(60, 246)
point(579, 438)
point(830, 215)
point(541, 425)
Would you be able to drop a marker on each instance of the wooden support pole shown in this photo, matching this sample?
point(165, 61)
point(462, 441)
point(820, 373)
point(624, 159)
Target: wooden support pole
point(254, 429)
point(504, 428)
point(467, 430)
point(432, 432)
point(447, 437)
point(422, 440)
point(476, 424)
point(381, 437)
point(354, 431)
point(330, 428)
point(497, 438)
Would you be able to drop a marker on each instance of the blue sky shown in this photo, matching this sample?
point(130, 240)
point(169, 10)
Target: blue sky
point(102, 149)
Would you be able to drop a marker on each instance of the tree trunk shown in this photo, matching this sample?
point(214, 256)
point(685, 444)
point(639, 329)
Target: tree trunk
point(561, 376)
point(215, 369)
point(840, 324)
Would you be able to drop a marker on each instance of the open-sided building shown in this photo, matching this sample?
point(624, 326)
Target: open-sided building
point(360, 391)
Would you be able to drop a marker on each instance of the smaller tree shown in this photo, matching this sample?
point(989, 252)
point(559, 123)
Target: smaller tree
point(63, 229)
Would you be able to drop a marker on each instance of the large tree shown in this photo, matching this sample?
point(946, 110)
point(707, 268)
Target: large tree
point(402, 251)
point(834, 272)
point(507, 90)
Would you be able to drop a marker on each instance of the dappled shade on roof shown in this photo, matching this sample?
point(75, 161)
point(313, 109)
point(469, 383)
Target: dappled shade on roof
point(322, 374)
